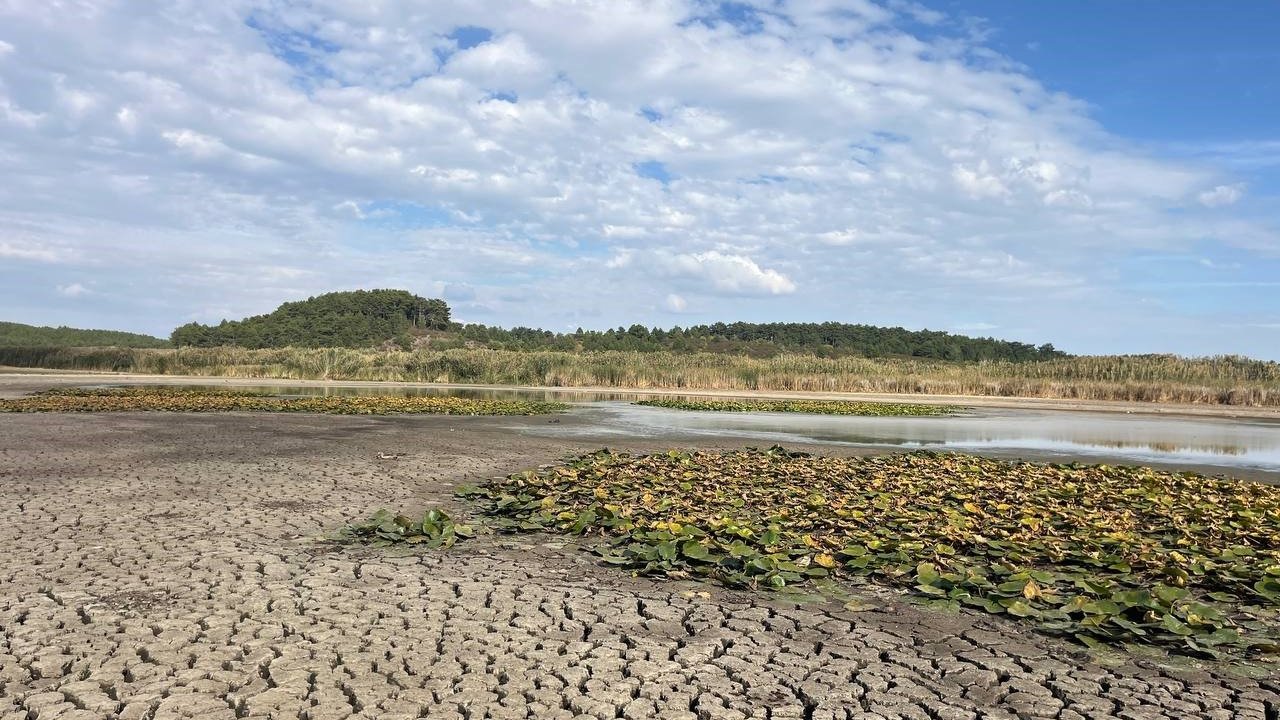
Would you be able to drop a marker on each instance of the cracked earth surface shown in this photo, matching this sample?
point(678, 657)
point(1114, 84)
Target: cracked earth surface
point(168, 566)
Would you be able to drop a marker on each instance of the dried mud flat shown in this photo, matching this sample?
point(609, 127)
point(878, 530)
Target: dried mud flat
point(168, 566)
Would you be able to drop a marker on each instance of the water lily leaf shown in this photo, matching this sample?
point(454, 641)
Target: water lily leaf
point(695, 550)
point(1020, 609)
point(1110, 553)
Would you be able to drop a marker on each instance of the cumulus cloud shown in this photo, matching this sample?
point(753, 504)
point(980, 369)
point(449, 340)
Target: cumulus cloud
point(674, 303)
point(1222, 195)
point(979, 183)
point(820, 161)
point(718, 272)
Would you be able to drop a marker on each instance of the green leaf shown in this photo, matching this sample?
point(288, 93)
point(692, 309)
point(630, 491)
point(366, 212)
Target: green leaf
point(695, 550)
point(1020, 609)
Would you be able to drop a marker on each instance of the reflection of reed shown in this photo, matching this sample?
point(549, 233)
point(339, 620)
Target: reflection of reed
point(1168, 447)
point(1157, 446)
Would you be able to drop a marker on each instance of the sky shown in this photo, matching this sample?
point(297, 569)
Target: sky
point(1102, 176)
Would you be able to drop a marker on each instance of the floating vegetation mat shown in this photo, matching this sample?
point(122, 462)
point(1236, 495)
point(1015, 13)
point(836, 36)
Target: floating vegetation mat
point(1095, 553)
point(815, 407)
point(190, 400)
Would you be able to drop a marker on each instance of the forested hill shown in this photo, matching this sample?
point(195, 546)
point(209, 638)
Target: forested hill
point(369, 318)
point(19, 335)
point(765, 339)
point(360, 318)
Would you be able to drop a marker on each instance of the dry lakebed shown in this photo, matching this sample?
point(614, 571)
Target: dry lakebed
point(181, 565)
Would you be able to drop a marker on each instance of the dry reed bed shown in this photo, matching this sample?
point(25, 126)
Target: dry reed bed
point(1223, 380)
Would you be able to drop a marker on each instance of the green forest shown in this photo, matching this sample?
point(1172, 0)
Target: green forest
point(828, 339)
point(359, 318)
point(375, 317)
point(378, 318)
point(19, 335)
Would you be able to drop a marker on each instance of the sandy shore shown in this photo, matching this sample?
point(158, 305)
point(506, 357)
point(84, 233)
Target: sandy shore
point(18, 381)
point(172, 566)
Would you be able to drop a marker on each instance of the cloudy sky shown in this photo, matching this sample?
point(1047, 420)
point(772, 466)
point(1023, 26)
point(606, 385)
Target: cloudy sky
point(1101, 176)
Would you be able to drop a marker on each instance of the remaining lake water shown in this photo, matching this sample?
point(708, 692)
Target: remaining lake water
point(1201, 442)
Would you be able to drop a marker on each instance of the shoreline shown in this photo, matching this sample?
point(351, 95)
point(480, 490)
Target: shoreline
point(15, 381)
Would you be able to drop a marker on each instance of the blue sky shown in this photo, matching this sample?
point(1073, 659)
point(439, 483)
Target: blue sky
point(1099, 175)
point(1153, 71)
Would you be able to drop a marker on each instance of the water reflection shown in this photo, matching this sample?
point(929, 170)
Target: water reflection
point(1210, 442)
point(1094, 436)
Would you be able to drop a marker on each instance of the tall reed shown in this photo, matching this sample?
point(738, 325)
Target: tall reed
point(1224, 380)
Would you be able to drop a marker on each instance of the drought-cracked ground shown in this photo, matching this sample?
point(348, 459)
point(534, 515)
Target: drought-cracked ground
point(169, 566)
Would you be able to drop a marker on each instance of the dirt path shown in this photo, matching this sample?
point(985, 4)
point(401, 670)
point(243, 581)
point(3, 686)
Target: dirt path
point(165, 566)
point(14, 382)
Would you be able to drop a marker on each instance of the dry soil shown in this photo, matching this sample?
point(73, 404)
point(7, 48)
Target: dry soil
point(173, 566)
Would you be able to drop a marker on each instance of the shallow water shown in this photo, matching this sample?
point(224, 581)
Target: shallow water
point(1068, 435)
point(1213, 443)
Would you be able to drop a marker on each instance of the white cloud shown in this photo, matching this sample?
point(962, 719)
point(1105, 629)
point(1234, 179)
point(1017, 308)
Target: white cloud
point(674, 303)
point(1068, 199)
point(197, 144)
point(27, 251)
point(840, 237)
point(620, 260)
point(73, 290)
point(1222, 195)
point(721, 273)
point(979, 183)
point(502, 64)
point(831, 165)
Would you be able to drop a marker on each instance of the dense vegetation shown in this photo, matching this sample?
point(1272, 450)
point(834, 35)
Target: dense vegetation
point(1139, 378)
point(177, 399)
point(372, 318)
point(1095, 553)
point(361, 318)
point(395, 335)
point(812, 407)
point(829, 339)
point(19, 335)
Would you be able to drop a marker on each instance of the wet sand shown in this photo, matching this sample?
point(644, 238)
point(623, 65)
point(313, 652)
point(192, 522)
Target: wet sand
point(167, 565)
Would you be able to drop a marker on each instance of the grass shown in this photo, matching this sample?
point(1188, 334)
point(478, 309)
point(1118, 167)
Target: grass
point(1096, 553)
point(1144, 378)
point(815, 407)
point(188, 400)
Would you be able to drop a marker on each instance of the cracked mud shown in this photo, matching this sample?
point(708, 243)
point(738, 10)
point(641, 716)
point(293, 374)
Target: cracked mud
point(168, 566)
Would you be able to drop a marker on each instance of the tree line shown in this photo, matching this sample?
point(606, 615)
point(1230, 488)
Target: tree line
point(20, 335)
point(373, 318)
point(828, 339)
point(358, 318)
